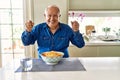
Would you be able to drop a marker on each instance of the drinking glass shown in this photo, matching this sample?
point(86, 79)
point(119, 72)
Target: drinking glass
point(26, 64)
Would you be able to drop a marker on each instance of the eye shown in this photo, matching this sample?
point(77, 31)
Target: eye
point(49, 16)
point(54, 16)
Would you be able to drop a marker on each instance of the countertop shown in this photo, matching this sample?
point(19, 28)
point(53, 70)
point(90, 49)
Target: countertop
point(97, 68)
point(100, 42)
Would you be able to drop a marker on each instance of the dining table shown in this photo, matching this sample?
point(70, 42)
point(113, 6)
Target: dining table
point(93, 68)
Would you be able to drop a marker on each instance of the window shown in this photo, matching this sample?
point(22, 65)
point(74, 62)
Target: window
point(99, 19)
point(11, 27)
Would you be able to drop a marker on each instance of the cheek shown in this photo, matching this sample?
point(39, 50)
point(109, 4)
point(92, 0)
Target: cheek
point(47, 20)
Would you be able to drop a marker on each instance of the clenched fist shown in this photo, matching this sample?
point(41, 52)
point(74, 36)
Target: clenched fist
point(29, 25)
point(75, 26)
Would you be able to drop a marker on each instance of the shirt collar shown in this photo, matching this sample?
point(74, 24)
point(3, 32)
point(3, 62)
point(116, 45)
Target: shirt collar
point(46, 26)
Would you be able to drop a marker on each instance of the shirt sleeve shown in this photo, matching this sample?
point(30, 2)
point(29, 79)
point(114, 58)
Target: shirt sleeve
point(77, 39)
point(28, 38)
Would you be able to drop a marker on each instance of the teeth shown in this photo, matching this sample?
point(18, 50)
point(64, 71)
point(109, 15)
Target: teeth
point(52, 22)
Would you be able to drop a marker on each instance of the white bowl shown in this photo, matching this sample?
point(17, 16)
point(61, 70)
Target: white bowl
point(51, 59)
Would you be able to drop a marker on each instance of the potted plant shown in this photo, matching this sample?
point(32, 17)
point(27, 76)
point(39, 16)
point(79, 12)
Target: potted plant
point(106, 30)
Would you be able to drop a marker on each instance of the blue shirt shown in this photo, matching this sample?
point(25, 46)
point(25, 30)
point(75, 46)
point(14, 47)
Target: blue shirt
point(59, 41)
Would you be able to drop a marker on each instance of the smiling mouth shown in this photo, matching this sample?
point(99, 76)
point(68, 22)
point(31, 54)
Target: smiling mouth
point(52, 22)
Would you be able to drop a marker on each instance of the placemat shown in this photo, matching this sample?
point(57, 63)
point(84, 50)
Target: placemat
point(66, 64)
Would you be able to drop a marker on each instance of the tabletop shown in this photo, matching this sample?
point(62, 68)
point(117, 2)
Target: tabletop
point(97, 68)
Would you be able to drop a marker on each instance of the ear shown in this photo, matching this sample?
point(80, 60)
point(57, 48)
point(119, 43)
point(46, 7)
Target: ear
point(71, 22)
point(60, 15)
point(44, 15)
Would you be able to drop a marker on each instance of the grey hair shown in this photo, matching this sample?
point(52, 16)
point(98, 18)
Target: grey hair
point(52, 6)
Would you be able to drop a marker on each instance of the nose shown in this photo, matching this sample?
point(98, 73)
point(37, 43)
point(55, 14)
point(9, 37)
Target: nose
point(52, 17)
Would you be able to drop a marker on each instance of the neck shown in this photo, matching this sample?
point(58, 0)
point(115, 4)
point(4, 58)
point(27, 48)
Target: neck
point(53, 29)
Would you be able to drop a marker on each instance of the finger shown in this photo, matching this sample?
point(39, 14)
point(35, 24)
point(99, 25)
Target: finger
point(29, 23)
point(75, 23)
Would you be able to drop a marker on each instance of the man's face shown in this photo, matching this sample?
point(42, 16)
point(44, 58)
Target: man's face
point(52, 17)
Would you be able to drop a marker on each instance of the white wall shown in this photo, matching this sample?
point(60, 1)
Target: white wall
point(65, 5)
point(40, 5)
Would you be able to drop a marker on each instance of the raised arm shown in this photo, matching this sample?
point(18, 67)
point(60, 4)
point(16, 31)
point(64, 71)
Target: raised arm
point(28, 36)
point(77, 38)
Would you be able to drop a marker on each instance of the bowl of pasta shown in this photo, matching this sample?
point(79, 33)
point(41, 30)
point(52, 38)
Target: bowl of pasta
point(52, 57)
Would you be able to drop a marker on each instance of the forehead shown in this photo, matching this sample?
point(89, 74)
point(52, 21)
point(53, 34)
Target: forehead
point(52, 10)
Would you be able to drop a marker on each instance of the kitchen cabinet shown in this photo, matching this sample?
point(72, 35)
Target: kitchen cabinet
point(109, 51)
point(94, 4)
point(83, 52)
point(95, 51)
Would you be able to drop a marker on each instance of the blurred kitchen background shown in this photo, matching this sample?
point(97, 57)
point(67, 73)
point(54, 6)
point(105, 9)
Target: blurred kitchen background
point(99, 23)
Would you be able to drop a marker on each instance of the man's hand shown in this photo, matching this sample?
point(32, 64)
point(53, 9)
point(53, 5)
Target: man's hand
point(75, 26)
point(29, 25)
